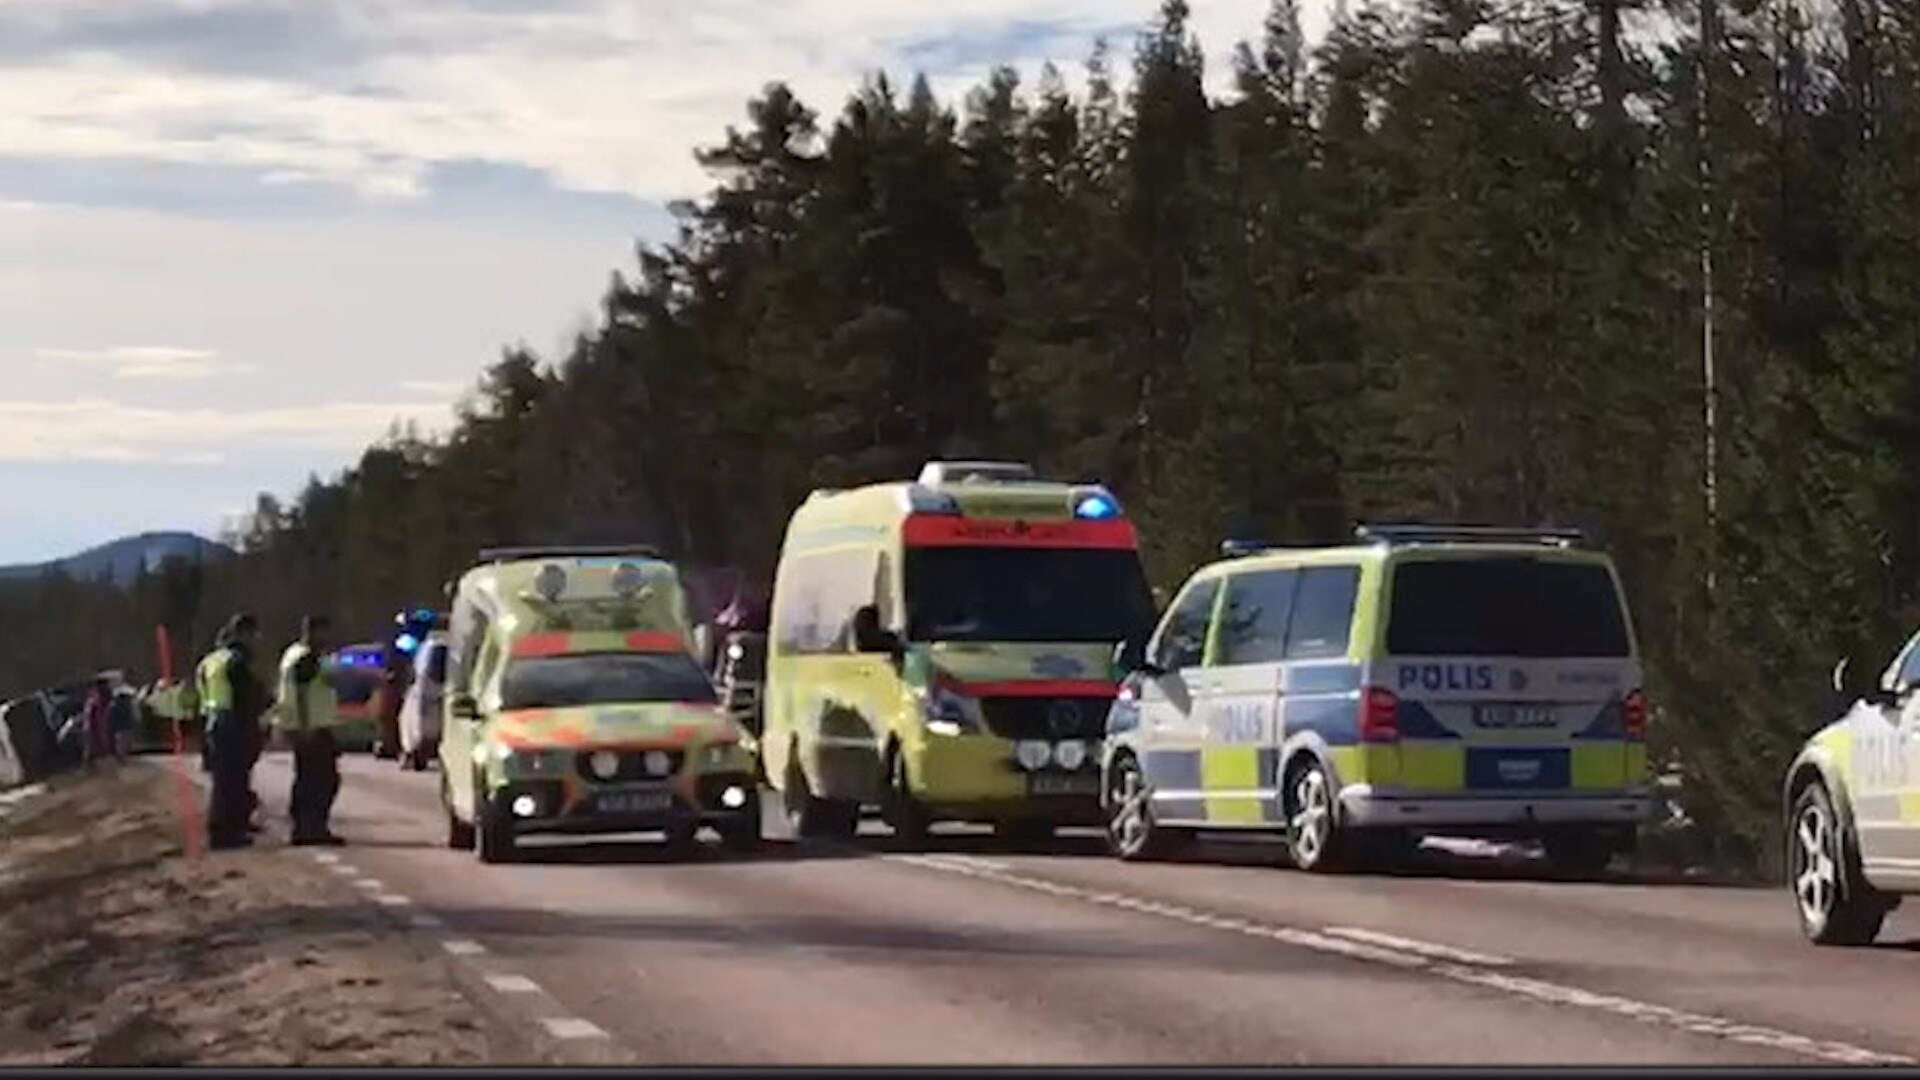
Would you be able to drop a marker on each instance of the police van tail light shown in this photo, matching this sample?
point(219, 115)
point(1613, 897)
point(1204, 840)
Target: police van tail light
point(1379, 716)
point(1636, 715)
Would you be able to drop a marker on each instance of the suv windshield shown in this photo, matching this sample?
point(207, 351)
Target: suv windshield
point(1505, 606)
point(566, 682)
point(1026, 595)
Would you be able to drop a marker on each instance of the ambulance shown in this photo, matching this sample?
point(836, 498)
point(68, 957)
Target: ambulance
point(1424, 680)
point(942, 649)
point(574, 704)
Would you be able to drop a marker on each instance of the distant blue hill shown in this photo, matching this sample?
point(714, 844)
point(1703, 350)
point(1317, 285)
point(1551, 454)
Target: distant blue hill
point(122, 560)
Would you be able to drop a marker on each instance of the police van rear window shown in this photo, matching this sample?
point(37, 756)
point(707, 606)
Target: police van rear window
point(1505, 607)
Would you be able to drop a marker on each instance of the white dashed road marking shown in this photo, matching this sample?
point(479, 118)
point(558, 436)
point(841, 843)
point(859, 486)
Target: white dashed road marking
point(567, 1027)
point(344, 870)
point(459, 947)
point(1384, 949)
point(369, 884)
point(1419, 948)
point(513, 984)
point(390, 900)
point(326, 857)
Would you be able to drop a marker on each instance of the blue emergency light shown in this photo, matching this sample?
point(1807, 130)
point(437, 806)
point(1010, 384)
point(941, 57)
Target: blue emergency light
point(407, 643)
point(1096, 508)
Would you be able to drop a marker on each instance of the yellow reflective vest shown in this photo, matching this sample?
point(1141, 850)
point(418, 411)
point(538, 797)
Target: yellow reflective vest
point(214, 678)
point(304, 708)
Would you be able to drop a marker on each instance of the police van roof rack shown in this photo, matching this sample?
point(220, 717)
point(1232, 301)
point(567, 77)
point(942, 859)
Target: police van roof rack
point(1419, 533)
point(609, 551)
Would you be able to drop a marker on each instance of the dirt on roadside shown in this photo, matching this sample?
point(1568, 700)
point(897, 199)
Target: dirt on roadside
point(117, 949)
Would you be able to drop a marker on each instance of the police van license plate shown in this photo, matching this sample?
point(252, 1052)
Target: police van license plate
point(1063, 784)
point(633, 802)
point(1510, 717)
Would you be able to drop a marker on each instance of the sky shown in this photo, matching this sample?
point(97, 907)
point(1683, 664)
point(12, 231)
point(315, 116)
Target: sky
point(239, 239)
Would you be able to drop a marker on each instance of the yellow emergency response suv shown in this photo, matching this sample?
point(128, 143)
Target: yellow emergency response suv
point(943, 649)
point(1424, 680)
point(574, 705)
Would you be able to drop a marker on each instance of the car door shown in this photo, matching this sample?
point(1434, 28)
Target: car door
point(1885, 796)
point(1172, 695)
point(1241, 759)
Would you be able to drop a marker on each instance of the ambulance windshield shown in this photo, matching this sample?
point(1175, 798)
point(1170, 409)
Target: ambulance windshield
point(1025, 594)
point(568, 682)
point(1506, 607)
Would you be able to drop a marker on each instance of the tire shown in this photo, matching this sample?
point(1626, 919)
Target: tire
point(814, 818)
point(1131, 832)
point(1835, 903)
point(1585, 853)
point(741, 834)
point(494, 841)
point(901, 811)
point(1315, 840)
point(459, 833)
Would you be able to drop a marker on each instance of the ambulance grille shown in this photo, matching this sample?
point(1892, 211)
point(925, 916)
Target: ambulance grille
point(1047, 718)
point(633, 767)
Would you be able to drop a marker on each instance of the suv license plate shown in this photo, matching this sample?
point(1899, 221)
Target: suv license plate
point(632, 802)
point(1068, 784)
point(1510, 717)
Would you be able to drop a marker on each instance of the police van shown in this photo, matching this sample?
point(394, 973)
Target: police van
point(943, 649)
point(1423, 680)
point(574, 704)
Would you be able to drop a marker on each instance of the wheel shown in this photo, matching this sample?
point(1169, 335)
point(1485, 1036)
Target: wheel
point(493, 830)
point(1580, 852)
point(814, 818)
point(1836, 904)
point(904, 813)
point(1132, 834)
point(459, 833)
point(741, 834)
point(1314, 837)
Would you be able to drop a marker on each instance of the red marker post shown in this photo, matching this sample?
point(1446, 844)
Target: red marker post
point(189, 804)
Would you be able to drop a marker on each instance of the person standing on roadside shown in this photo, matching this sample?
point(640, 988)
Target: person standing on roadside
point(306, 715)
point(231, 701)
point(96, 723)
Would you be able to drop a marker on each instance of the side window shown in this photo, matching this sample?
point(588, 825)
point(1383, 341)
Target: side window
point(1909, 676)
point(818, 596)
point(1323, 613)
point(471, 627)
point(1182, 641)
point(1253, 625)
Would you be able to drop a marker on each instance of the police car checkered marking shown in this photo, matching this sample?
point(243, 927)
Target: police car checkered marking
point(1454, 971)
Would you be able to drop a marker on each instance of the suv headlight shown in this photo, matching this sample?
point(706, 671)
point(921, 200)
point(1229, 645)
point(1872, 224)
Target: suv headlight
point(947, 711)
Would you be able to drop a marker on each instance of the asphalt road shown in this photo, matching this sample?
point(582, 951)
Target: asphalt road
point(859, 955)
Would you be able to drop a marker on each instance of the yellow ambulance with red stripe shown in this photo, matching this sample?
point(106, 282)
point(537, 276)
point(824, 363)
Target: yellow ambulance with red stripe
point(942, 650)
point(575, 705)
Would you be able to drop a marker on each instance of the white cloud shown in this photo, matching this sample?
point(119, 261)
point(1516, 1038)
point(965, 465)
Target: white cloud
point(607, 95)
point(107, 431)
point(150, 361)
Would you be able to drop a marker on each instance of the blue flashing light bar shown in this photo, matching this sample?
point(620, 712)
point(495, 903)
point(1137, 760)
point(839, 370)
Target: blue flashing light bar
point(1096, 508)
point(407, 643)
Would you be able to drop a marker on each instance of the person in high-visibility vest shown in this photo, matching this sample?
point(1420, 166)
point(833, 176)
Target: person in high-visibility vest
point(231, 702)
point(307, 714)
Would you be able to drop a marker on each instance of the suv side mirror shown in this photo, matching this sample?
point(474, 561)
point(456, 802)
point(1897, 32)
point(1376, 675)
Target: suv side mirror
point(870, 637)
point(1851, 686)
point(1130, 657)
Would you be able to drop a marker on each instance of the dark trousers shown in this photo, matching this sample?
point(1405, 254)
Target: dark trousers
point(231, 767)
point(316, 782)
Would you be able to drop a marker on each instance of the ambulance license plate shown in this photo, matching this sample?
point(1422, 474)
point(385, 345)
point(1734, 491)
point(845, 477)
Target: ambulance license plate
point(1510, 717)
point(1063, 784)
point(632, 802)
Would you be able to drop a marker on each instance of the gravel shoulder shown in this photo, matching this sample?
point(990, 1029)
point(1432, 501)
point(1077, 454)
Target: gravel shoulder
point(119, 949)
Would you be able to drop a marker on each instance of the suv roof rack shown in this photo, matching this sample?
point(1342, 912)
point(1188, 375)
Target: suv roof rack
point(1240, 549)
point(1419, 533)
point(610, 551)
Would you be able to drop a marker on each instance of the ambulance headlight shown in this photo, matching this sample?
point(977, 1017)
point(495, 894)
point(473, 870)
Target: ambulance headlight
point(1032, 755)
point(1070, 755)
point(720, 755)
point(525, 806)
point(657, 763)
point(605, 764)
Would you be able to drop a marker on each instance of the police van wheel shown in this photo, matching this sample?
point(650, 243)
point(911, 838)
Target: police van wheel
point(741, 834)
point(493, 832)
point(1314, 837)
point(1837, 905)
point(814, 818)
point(1132, 834)
point(901, 811)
